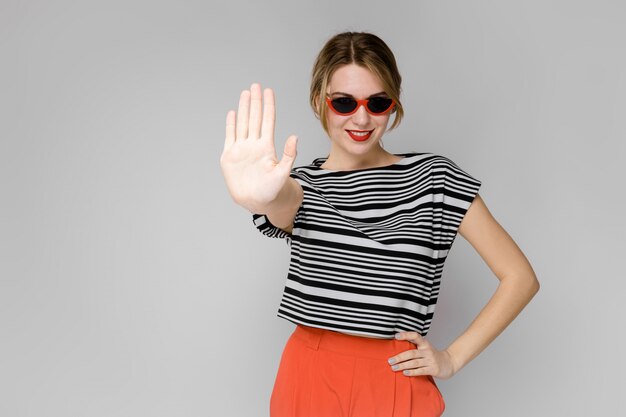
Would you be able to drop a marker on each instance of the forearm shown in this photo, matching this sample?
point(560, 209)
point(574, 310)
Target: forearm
point(511, 296)
point(282, 210)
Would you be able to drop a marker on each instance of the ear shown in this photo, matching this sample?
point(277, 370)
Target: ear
point(318, 104)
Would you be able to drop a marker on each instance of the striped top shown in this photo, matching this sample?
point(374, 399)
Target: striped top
point(368, 246)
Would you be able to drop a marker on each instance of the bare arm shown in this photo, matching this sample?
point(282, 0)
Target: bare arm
point(282, 211)
point(518, 284)
point(255, 178)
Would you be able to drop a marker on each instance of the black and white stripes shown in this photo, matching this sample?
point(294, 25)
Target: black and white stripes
point(368, 246)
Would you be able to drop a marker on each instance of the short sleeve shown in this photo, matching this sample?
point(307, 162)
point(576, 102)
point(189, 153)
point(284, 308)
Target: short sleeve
point(456, 192)
point(263, 224)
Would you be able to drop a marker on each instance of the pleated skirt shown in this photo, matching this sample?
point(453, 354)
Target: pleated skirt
point(323, 373)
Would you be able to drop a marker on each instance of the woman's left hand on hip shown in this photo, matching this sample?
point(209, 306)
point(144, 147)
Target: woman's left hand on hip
point(425, 360)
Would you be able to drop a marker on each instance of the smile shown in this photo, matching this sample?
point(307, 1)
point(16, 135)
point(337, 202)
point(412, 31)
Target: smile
point(360, 135)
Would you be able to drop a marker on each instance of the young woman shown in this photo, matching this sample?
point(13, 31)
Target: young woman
point(369, 233)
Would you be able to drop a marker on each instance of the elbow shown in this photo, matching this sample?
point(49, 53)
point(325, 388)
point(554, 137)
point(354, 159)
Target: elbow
point(532, 285)
point(526, 285)
point(535, 286)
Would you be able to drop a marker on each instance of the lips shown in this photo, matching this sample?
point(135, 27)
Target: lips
point(360, 135)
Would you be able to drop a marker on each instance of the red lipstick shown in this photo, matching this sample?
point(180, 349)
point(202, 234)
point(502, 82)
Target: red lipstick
point(360, 135)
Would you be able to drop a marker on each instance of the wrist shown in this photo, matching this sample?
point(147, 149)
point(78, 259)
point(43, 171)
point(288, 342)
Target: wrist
point(455, 360)
point(260, 202)
point(285, 195)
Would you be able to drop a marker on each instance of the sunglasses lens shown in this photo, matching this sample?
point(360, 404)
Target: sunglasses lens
point(379, 104)
point(344, 104)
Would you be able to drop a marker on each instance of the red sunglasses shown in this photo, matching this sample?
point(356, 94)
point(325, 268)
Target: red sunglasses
point(345, 106)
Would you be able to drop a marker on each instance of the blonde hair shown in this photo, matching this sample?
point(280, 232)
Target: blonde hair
point(363, 49)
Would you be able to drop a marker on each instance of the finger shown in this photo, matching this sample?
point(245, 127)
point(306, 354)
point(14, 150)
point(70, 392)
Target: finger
point(417, 371)
point(412, 364)
point(230, 129)
point(405, 356)
point(269, 115)
point(289, 154)
point(242, 115)
point(255, 111)
point(413, 337)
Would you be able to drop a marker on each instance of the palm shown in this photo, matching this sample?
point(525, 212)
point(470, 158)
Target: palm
point(254, 176)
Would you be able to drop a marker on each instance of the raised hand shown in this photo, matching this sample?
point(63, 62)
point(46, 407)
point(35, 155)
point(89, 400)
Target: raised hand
point(254, 176)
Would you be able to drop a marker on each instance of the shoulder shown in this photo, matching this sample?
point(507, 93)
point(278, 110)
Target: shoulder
point(427, 160)
point(313, 166)
point(309, 175)
point(424, 156)
point(446, 164)
point(441, 160)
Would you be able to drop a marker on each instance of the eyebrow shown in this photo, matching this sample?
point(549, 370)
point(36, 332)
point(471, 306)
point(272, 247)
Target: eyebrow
point(382, 93)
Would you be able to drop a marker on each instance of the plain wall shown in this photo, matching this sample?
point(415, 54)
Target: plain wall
point(131, 284)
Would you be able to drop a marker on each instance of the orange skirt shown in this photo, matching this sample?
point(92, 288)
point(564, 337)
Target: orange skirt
point(323, 373)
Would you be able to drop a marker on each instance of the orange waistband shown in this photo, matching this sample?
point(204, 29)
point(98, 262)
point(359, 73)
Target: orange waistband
point(323, 339)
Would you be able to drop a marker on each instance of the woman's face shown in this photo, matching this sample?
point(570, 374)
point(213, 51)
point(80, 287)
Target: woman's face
point(358, 134)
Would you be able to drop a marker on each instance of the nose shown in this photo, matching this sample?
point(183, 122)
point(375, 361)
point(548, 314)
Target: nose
point(361, 117)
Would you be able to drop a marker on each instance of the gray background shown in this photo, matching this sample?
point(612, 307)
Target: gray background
point(131, 285)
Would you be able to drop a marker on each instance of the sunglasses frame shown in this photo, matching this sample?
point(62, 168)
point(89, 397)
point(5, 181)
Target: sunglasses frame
point(359, 103)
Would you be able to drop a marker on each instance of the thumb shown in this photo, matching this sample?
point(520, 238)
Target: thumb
point(289, 154)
